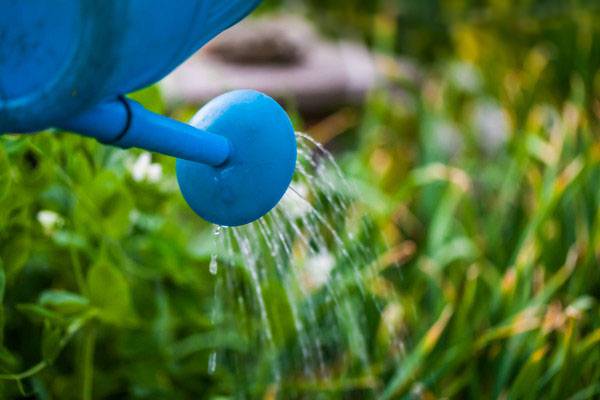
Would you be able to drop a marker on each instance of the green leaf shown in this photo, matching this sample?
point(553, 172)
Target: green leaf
point(64, 302)
point(104, 205)
point(15, 251)
point(4, 174)
point(79, 167)
point(7, 359)
point(2, 282)
point(51, 342)
point(69, 239)
point(2, 290)
point(40, 313)
point(109, 291)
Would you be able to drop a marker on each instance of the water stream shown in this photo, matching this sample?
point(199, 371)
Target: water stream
point(292, 285)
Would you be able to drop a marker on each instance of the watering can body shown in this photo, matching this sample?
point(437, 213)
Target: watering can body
point(68, 63)
point(61, 57)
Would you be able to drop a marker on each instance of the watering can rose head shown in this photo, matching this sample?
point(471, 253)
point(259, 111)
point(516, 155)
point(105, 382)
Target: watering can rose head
point(260, 165)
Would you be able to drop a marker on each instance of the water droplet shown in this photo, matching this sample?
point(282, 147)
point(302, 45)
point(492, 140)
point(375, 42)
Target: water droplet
point(218, 230)
point(212, 363)
point(213, 267)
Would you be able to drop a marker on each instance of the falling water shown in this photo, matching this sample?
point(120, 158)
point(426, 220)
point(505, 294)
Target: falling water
point(293, 283)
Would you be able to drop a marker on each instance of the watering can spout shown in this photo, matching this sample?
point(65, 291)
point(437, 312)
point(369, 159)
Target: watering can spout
point(125, 123)
point(235, 160)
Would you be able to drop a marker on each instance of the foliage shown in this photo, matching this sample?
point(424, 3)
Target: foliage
point(481, 173)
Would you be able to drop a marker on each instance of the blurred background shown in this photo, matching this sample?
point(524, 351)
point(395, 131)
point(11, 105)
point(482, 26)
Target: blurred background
point(468, 132)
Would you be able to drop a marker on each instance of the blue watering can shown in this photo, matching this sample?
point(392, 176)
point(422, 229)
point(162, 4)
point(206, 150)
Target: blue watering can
point(68, 64)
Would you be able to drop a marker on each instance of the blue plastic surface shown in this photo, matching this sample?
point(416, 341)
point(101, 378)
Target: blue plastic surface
point(68, 63)
point(125, 123)
point(59, 58)
point(259, 169)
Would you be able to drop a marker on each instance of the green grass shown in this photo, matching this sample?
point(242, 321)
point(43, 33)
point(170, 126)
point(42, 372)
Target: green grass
point(490, 280)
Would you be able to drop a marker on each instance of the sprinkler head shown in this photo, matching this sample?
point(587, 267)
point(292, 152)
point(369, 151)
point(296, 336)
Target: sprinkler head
point(259, 168)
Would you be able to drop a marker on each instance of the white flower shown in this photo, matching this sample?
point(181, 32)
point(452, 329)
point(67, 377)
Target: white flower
point(49, 220)
point(144, 170)
point(492, 126)
point(295, 201)
point(465, 76)
point(449, 138)
point(317, 270)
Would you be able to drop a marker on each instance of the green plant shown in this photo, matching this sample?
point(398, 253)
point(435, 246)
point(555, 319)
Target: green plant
point(481, 176)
